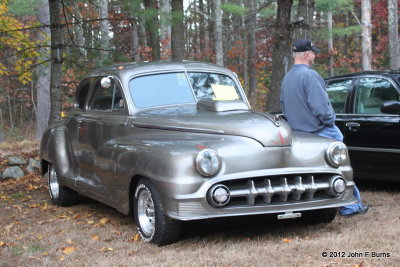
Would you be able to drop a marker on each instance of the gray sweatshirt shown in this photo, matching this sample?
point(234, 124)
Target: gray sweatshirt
point(304, 100)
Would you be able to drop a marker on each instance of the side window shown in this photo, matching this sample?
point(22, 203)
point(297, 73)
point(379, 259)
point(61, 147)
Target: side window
point(338, 91)
point(81, 95)
point(108, 99)
point(371, 93)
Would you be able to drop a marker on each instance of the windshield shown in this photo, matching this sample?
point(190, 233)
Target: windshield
point(176, 88)
point(161, 89)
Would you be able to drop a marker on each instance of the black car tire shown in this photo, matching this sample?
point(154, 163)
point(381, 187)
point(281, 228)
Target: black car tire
point(153, 225)
point(319, 216)
point(60, 195)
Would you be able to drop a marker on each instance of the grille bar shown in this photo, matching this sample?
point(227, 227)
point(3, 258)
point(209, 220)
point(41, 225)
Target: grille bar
point(296, 189)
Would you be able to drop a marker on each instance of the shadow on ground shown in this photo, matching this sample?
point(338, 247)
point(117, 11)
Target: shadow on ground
point(377, 186)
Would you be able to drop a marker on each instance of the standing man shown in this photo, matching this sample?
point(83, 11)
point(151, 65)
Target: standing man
point(305, 104)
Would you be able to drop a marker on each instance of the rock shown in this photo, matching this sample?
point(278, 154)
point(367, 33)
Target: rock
point(16, 161)
point(12, 172)
point(33, 164)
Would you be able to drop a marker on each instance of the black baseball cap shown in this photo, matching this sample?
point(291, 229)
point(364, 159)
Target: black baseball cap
point(304, 45)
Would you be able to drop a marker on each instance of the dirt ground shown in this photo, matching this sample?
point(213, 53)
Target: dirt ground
point(33, 232)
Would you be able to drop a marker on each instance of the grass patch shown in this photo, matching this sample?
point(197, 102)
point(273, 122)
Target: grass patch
point(17, 195)
point(35, 248)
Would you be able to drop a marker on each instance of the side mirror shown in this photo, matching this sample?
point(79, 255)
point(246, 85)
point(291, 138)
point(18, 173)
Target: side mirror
point(391, 107)
point(106, 82)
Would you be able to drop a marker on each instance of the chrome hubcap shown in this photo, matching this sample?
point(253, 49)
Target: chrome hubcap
point(53, 183)
point(146, 212)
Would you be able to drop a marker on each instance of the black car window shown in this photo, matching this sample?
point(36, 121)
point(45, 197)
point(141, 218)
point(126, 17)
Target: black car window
point(338, 91)
point(161, 89)
point(371, 93)
point(213, 85)
point(107, 98)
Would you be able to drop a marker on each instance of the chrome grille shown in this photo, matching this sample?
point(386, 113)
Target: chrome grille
point(278, 189)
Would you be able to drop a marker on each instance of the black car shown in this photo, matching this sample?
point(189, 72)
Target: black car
point(367, 112)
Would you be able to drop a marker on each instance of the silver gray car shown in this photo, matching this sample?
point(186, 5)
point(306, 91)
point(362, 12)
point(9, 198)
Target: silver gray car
point(173, 142)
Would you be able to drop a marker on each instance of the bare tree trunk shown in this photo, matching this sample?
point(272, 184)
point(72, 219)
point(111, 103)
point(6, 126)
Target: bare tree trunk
point(251, 37)
point(1, 127)
point(330, 44)
point(177, 30)
point(104, 29)
point(226, 30)
point(203, 38)
point(165, 25)
point(281, 55)
point(43, 74)
point(246, 51)
point(393, 35)
point(211, 26)
point(135, 42)
point(56, 61)
point(219, 54)
point(152, 27)
point(366, 34)
point(78, 32)
point(304, 19)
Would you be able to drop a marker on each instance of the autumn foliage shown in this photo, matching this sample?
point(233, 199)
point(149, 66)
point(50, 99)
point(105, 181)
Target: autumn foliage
point(16, 46)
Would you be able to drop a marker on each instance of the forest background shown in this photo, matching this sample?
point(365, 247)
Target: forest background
point(47, 46)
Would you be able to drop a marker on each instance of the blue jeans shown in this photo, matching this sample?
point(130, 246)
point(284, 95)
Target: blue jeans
point(334, 133)
point(331, 132)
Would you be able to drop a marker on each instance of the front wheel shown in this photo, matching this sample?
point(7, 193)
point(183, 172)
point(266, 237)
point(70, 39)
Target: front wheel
point(60, 195)
point(153, 225)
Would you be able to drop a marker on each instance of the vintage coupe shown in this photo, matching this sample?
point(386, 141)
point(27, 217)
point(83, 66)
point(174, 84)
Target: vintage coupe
point(178, 141)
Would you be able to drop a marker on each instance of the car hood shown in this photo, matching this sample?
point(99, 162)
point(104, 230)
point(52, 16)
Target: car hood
point(259, 126)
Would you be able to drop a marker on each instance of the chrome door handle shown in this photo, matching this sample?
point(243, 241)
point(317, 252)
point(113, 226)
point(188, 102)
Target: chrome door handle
point(352, 124)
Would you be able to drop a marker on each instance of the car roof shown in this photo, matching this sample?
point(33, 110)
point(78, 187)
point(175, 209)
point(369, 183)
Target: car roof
point(155, 66)
point(388, 73)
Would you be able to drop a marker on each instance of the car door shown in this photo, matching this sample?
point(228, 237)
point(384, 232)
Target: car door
point(105, 118)
point(339, 92)
point(372, 136)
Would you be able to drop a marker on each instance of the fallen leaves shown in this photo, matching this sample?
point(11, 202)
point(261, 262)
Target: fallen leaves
point(287, 240)
point(103, 221)
point(68, 250)
point(8, 227)
point(31, 187)
point(95, 237)
point(106, 249)
point(135, 238)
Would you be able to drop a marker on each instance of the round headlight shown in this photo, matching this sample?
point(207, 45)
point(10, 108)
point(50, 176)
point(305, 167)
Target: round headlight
point(208, 162)
point(336, 154)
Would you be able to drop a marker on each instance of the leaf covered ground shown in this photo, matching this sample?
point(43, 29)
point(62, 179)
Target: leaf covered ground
point(33, 232)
